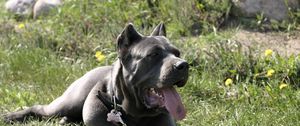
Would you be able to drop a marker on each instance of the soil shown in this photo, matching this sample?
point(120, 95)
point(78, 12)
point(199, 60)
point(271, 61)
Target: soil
point(283, 43)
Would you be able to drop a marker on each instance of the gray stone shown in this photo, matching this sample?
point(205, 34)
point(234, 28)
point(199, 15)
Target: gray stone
point(42, 7)
point(20, 7)
point(272, 9)
point(28, 7)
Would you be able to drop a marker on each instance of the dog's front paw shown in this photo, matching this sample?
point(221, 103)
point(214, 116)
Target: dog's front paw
point(10, 118)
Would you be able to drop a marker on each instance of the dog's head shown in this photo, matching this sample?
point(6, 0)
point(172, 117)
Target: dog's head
point(151, 67)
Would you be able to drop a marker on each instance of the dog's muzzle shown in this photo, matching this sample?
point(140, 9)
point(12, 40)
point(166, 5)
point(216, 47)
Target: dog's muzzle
point(167, 96)
point(181, 67)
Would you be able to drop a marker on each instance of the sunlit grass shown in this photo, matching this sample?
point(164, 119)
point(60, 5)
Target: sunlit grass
point(228, 85)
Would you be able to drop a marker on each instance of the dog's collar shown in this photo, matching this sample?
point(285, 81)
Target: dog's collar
point(109, 105)
point(114, 108)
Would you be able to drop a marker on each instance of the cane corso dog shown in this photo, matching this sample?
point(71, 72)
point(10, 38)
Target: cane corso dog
point(137, 90)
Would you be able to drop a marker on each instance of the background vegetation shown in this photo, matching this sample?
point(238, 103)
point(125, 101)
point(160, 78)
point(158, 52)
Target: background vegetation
point(228, 84)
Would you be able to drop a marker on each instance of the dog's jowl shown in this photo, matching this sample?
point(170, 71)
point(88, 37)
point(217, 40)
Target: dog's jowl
point(137, 90)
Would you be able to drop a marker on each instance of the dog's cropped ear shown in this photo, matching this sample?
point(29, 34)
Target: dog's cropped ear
point(159, 30)
point(128, 37)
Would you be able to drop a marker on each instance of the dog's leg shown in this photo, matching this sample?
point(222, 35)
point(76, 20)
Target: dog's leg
point(53, 109)
point(94, 111)
point(65, 120)
point(37, 111)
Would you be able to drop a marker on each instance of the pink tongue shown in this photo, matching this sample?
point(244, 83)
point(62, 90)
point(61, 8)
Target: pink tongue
point(173, 103)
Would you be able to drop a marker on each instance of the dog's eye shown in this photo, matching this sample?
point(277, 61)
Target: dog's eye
point(153, 54)
point(177, 53)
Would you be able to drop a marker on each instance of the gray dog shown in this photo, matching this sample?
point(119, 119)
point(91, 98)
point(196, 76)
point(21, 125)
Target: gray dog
point(137, 90)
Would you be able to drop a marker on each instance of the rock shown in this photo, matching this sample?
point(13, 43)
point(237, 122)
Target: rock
point(28, 7)
point(272, 9)
point(42, 7)
point(20, 7)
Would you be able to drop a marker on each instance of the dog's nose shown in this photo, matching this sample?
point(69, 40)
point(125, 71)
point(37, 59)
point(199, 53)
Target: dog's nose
point(181, 65)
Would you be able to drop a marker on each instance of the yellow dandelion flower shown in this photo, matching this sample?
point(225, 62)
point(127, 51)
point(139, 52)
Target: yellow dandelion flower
point(270, 72)
point(283, 85)
point(100, 57)
point(21, 26)
point(268, 52)
point(228, 82)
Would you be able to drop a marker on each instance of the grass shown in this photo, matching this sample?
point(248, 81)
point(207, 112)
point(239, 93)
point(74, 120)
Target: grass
point(38, 61)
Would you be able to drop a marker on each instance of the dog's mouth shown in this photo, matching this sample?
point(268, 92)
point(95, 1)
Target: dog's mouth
point(166, 97)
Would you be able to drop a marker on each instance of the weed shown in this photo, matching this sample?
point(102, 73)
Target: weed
point(228, 84)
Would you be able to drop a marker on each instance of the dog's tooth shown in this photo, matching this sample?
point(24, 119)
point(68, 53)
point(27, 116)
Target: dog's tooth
point(152, 90)
point(162, 98)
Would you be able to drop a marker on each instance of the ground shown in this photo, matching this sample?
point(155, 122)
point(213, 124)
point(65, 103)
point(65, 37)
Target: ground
point(40, 58)
point(283, 43)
